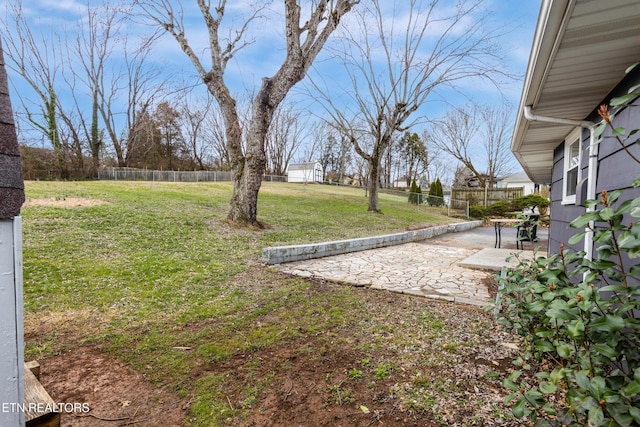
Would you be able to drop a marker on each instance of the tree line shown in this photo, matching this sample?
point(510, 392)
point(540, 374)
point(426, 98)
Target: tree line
point(99, 99)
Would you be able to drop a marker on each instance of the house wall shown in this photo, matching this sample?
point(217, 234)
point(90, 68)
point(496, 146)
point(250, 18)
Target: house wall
point(529, 187)
point(616, 169)
point(11, 311)
point(561, 215)
point(11, 329)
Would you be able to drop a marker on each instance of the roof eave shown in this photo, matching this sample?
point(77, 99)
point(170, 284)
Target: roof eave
point(551, 22)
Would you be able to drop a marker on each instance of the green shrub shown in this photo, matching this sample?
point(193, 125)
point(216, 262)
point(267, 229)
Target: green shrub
point(579, 319)
point(582, 337)
point(499, 208)
point(477, 211)
point(530, 200)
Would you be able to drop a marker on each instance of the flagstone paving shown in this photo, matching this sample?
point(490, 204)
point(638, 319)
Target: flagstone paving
point(414, 268)
point(450, 267)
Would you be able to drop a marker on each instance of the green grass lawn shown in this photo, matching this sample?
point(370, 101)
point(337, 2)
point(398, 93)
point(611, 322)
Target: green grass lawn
point(157, 266)
point(159, 244)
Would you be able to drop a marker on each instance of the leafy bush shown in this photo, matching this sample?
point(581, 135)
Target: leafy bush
point(583, 337)
point(530, 200)
point(477, 211)
point(499, 208)
point(580, 320)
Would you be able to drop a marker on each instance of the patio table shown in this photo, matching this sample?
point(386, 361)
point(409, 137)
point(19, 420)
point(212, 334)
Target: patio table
point(498, 223)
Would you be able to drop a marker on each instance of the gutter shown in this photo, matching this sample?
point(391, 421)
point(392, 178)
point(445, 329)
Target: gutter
point(592, 171)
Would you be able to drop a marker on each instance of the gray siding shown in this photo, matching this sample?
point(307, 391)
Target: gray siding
point(561, 215)
point(616, 169)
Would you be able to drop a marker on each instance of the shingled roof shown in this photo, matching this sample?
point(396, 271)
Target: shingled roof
point(11, 182)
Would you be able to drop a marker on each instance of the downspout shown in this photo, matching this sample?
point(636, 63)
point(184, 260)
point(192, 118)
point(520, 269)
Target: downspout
point(592, 175)
point(592, 171)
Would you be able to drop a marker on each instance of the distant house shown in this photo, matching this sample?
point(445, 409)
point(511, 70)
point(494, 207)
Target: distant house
point(304, 172)
point(465, 178)
point(578, 60)
point(518, 180)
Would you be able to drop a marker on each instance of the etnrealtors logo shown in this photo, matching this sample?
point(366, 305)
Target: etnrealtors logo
point(42, 408)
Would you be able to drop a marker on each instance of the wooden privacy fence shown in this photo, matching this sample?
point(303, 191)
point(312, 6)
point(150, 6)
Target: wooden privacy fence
point(486, 196)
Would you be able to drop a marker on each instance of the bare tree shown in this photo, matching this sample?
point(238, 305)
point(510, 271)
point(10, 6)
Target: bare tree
point(193, 117)
point(331, 149)
point(496, 140)
point(395, 61)
point(38, 61)
point(457, 135)
point(117, 76)
point(439, 165)
point(93, 44)
point(478, 137)
point(304, 40)
point(102, 78)
point(313, 149)
point(214, 133)
point(72, 140)
point(139, 84)
point(285, 136)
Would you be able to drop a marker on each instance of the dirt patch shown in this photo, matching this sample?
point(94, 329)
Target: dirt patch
point(419, 227)
point(409, 361)
point(115, 394)
point(492, 286)
point(316, 386)
point(46, 322)
point(64, 202)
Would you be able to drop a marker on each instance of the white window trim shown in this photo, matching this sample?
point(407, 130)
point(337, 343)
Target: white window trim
point(575, 135)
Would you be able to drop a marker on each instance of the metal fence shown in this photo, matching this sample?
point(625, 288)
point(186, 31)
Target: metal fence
point(445, 205)
point(130, 174)
point(453, 207)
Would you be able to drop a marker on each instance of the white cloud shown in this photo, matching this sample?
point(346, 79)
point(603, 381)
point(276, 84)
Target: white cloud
point(70, 6)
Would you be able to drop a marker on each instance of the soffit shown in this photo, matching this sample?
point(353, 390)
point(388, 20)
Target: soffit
point(580, 52)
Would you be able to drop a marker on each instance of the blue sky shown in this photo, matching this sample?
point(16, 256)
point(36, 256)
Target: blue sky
point(264, 56)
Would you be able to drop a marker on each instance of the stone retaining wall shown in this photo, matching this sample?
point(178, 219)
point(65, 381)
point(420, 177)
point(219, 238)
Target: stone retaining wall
point(282, 254)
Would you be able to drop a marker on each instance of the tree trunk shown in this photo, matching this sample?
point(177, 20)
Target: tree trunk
point(243, 207)
point(303, 45)
point(120, 155)
point(373, 185)
point(249, 169)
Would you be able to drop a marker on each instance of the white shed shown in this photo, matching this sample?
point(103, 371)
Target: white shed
point(304, 172)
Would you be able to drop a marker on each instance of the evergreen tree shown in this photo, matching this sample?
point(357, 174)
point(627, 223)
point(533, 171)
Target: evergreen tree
point(436, 194)
point(414, 193)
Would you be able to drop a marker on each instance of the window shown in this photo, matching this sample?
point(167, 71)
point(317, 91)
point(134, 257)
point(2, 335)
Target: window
point(572, 150)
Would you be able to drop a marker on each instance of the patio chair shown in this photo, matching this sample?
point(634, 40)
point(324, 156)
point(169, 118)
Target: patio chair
point(527, 231)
